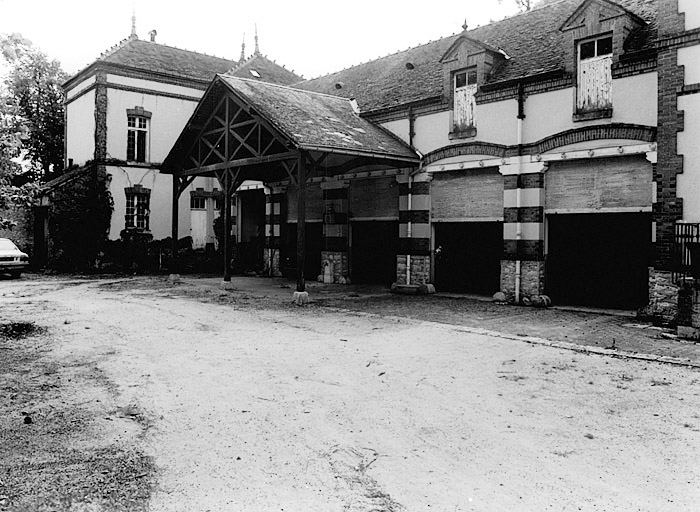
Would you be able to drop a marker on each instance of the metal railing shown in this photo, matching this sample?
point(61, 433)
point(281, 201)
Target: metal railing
point(686, 252)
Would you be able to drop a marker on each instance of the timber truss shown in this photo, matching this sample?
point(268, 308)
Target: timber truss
point(233, 139)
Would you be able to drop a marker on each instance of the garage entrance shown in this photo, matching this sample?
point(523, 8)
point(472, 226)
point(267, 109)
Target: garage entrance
point(468, 257)
point(251, 229)
point(373, 252)
point(599, 260)
point(312, 260)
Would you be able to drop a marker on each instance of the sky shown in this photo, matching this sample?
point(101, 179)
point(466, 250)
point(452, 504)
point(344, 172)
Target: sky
point(311, 37)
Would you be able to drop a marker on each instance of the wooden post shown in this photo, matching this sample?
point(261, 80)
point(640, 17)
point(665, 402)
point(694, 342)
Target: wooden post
point(226, 185)
point(174, 233)
point(301, 222)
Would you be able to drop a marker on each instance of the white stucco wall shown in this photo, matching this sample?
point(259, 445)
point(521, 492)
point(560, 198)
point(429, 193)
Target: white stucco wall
point(149, 85)
point(497, 122)
point(399, 128)
point(691, 8)
point(169, 116)
point(690, 58)
point(494, 123)
point(79, 87)
point(547, 114)
point(635, 99)
point(160, 204)
point(689, 146)
point(80, 129)
point(432, 132)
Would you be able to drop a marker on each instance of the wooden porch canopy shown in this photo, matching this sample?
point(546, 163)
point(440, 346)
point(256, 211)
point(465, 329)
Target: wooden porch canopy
point(251, 130)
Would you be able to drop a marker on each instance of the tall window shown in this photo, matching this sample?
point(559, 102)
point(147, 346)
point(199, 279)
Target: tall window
point(137, 207)
point(594, 88)
point(464, 99)
point(137, 138)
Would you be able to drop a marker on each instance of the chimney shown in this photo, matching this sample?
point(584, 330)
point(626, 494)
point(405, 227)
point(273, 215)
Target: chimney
point(153, 35)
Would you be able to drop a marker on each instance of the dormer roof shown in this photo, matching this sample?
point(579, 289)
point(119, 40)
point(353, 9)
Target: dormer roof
point(474, 46)
point(604, 10)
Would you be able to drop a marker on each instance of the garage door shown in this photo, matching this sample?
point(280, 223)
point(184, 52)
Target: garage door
point(598, 260)
point(468, 257)
point(312, 260)
point(373, 252)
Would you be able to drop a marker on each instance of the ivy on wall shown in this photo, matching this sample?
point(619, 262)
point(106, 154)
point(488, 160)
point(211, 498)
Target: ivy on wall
point(79, 220)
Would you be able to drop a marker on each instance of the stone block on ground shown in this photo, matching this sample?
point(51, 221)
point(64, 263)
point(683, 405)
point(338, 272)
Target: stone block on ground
point(301, 298)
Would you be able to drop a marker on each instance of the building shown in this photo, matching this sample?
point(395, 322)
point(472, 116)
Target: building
point(677, 173)
point(123, 114)
point(549, 154)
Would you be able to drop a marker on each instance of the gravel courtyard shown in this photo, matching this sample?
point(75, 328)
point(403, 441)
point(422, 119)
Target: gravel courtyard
point(147, 394)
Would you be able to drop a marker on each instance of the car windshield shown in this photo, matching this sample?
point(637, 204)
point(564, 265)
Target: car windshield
point(6, 245)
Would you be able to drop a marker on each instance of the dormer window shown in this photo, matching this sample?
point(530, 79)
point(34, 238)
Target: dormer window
point(464, 100)
point(594, 84)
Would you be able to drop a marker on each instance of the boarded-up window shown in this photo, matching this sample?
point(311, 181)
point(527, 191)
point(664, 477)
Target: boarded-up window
point(464, 101)
point(467, 195)
point(375, 198)
point(594, 89)
point(623, 182)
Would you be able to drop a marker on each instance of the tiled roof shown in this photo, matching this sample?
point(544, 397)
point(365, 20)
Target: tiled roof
point(531, 39)
point(160, 58)
point(313, 120)
point(266, 70)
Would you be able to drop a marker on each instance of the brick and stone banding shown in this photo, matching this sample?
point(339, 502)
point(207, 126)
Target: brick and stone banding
point(416, 247)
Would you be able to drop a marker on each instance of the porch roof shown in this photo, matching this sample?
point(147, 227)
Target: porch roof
point(270, 123)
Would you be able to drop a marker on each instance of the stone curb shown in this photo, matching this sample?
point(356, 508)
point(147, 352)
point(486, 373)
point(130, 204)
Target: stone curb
point(533, 340)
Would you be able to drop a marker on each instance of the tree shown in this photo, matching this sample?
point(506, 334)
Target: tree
point(12, 134)
point(523, 5)
point(32, 95)
point(31, 123)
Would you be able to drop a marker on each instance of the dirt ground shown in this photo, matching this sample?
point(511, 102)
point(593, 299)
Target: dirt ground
point(147, 394)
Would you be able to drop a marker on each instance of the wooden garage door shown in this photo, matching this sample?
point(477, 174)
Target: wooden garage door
point(577, 186)
point(466, 195)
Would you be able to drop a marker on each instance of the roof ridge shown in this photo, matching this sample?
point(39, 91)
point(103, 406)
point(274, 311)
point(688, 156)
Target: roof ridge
point(239, 64)
point(296, 89)
point(121, 44)
point(433, 41)
point(124, 42)
point(383, 57)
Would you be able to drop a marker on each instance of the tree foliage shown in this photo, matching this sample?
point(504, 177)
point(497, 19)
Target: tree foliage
point(526, 5)
point(31, 123)
point(33, 95)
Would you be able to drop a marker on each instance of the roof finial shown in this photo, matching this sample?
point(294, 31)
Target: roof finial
point(465, 26)
point(257, 48)
point(243, 49)
point(133, 25)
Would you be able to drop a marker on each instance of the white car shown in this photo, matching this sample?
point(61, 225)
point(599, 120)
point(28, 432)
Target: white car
point(12, 260)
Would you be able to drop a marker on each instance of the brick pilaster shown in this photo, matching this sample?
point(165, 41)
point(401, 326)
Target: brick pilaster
point(100, 153)
point(523, 229)
point(414, 230)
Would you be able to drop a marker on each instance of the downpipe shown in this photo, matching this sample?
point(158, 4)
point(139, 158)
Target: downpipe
point(519, 168)
point(408, 229)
